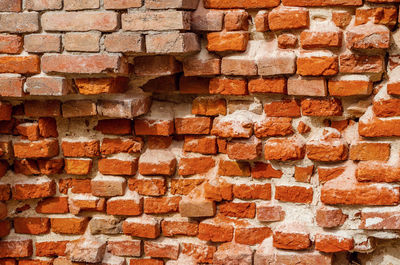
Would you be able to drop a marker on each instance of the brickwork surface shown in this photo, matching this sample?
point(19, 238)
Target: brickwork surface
point(180, 132)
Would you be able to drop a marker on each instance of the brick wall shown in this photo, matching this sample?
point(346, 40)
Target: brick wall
point(180, 132)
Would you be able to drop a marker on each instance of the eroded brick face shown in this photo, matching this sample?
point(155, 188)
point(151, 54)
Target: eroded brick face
point(184, 132)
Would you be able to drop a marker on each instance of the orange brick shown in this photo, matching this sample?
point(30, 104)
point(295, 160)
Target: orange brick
point(193, 125)
point(332, 243)
point(295, 194)
point(321, 107)
point(20, 64)
point(284, 149)
point(252, 235)
point(241, 4)
point(73, 226)
point(161, 205)
point(117, 167)
point(275, 85)
point(284, 108)
point(32, 225)
point(240, 210)
point(16, 249)
point(148, 187)
point(225, 86)
point(37, 149)
point(53, 205)
point(50, 248)
point(288, 18)
point(233, 168)
point(309, 65)
point(227, 41)
point(179, 227)
point(154, 127)
point(195, 165)
point(81, 149)
point(370, 151)
point(77, 166)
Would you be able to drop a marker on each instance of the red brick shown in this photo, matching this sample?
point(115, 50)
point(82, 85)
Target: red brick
point(233, 168)
point(81, 149)
point(218, 190)
point(29, 130)
point(240, 210)
point(215, 232)
point(193, 66)
point(227, 41)
point(263, 170)
point(236, 20)
point(83, 64)
point(10, 43)
point(287, 41)
point(244, 149)
point(321, 107)
point(332, 243)
point(124, 248)
point(114, 126)
point(377, 172)
point(125, 205)
point(73, 226)
point(296, 194)
point(386, 108)
point(284, 149)
point(288, 18)
point(270, 213)
point(121, 4)
point(202, 253)
point(380, 15)
point(315, 39)
point(195, 165)
point(36, 149)
point(330, 150)
point(284, 108)
point(154, 127)
point(44, 188)
point(152, 20)
point(376, 127)
point(161, 250)
point(240, 4)
point(316, 3)
point(15, 249)
point(53, 205)
point(268, 85)
point(179, 227)
point(50, 166)
point(41, 43)
point(310, 65)
point(5, 228)
point(328, 217)
point(32, 225)
point(20, 64)
point(11, 6)
point(11, 86)
point(291, 236)
point(121, 145)
point(225, 86)
point(273, 126)
point(360, 64)
point(78, 108)
point(19, 22)
point(50, 248)
point(145, 227)
point(251, 235)
point(379, 220)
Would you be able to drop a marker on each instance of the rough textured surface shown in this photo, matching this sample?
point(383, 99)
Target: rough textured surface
point(185, 132)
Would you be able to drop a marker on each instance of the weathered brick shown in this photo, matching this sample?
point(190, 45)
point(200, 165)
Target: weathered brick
point(37, 149)
point(124, 42)
point(268, 85)
point(79, 21)
point(314, 3)
point(122, 4)
point(82, 42)
point(359, 37)
point(284, 149)
point(156, 20)
point(316, 39)
point(313, 65)
point(73, 226)
point(307, 87)
point(19, 22)
point(332, 243)
point(240, 4)
point(10, 5)
point(16, 248)
point(172, 43)
point(129, 107)
point(227, 41)
point(232, 252)
point(10, 43)
point(288, 18)
point(78, 108)
point(321, 107)
point(144, 226)
point(39, 5)
point(81, 4)
point(20, 64)
point(48, 86)
point(32, 225)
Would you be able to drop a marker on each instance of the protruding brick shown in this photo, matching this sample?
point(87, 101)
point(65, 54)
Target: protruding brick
point(329, 217)
point(288, 18)
point(78, 108)
point(157, 162)
point(129, 107)
point(227, 41)
point(36, 149)
point(284, 149)
point(73, 226)
point(81, 148)
point(86, 249)
point(330, 243)
point(143, 226)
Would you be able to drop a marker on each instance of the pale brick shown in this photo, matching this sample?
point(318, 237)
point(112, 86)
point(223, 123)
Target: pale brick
point(172, 43)
point(207, 20)
point(277, 64)
point(10, 5)
point(169, 4)
point(11, 86)
point(122, 4)
point(79, 21)
point(156, 20)
point(81, 4)
point(124, 42)
point(86, 249)
point(39, 5)
point(129, 107)
point(307, 87)
point(40, 43)
point(48, 86)
point(82, 42)
point(78, 108)
point(19, 22)
point(10, 43)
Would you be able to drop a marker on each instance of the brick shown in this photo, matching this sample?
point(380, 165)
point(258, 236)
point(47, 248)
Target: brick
point(194, 85)
point(270, 213)
point(264, 170)
point(32, 225)
point(81, 185)
point(114, 126)
point(172, 43)
point(53, 205)
point(163, 84)
point(20, 64)
point(86, 249)
point(266, 253)
point(79, 21)
point(380, 15)
point(81, 148)
point(178, 4)
point(287, 41)
point(196, 207)
point(146, 262)
point(11, 43)
point(161, 205)
point(225, 86)
point(10, 6)
point(218, 190)
point(268, 85)
point(156, 65)
point(41, 43)
point(146, 227)
point(194, 125)
point(359, 37)
point(73, 226)
point(154, 127)
point(303, 174)
point(343, 88)
point(245, 105)
point(244, 149)
point(48, 86)
point(296, 194)
point(273, 126)
point(341, 18)
point(6, 151)
point(206, 145)
point(360, 64)
point(156, 20)
point(252, 235)
point(278, 63)
point(182, 226)
point(148, 187)
point(215, 231)
point(284, 149)
point(377, 172)
point(77, 166)
point(124, 42)
point(376, 127)
point(50, 166)
point(36, 108)
point(82, 42)
point(240, 4)
point(117, 167)
point(23, 189)
point(11, 86)
point(240, 210)
point(329, 150)
point(122, 4)
point(261, 21)
point(197, 66)
point(206, 19)
point(307, 87)
point(5, 228)
point(227, 41)
point(288, 18)
point(39, 5)
point(83, 64)
point(107, 186)
point(228, 126)
point(81, 4)
point(96, 86)
point(161, 250)
point(36, 149)
point(157, 162)
point(50, 248)
point(370, 151)
point(16, 248)
point(291, 236)
point(130, 205)
point(236, 20)
point(317, 39)
point(131, 106)
point(374, 220)
point(124, 247)
point(284, 108)
point(233, 65)
point(345, 190)
point(321, 107)
point(195, 165)
point(310, 65)
point(184, 186)
point(229, 253)
point(233, 168)
point(159, 142)
point(386, 108)
point(78, 108)
point(109, 225)
point(330, 243)
point(3, 167)
point(329, 217)
point(201, 252)
point(321, 3)
point(26, 167)
point(19, 22)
